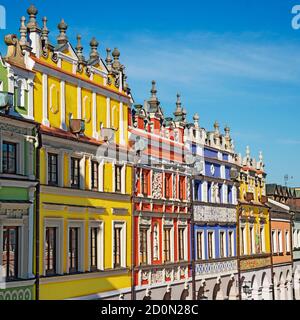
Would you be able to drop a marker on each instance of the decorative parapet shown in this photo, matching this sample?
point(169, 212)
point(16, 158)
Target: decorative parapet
point(162, 275)
point(204, 213)
point(217, 267)
point(255, 263)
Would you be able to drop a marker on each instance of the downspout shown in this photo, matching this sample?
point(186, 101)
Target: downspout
point(239, 209)
point(192, 239)
point(271, 255)
point(133, 247)
point(37, 218)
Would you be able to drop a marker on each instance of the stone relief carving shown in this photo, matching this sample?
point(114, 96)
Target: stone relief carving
point(157, 185)
point(216, 267)
point(214, 214)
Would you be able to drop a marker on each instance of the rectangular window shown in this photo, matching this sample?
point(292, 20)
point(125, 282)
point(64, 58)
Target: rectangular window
point(242, 244)
point(75, 173)
point(52, 169)
point(94, 248)
point(10, 252)
point(252, 240)
point(210, 245)
point(181, 243)
point(9, 157)
point(73, 250)
point(145, 183)
point(143, 246)
point(118, 178)
point(95, 175)
point(167, 186)
point(230, 244)
point(222, 245)
point(200, 255)
point(274, 242)
point(280, 246)
point(295, 239)
point(167, 245)
point(50, 251)
point(287, 242)
point(181, 187)
point(262, 239)
point(117, 246)
point(196, 190)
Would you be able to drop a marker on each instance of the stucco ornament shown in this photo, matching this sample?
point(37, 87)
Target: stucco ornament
point(157, 185)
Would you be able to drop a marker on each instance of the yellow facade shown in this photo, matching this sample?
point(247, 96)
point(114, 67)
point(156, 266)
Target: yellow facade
point(69, 87)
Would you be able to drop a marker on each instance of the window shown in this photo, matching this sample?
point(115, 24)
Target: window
point(287, 242)
point(222, 245)
point(295, 239)
point(280, 246)
point(50, 251)
point(10, 252)
point(167, 245)
point(210, 245)
point(181, 187)
point(95, 175)
point(181, 243)
point(73, 250)
point(167, 186)
point(94, 248)
point(274, 242)
point(118, 175)
point(156, 240)
point(143, 246)
point(262, 239)
point(117, 246)
point(229, 194)
point(242, 244)
point(9, 157)
point(145, 183)
point(197, 190)
point(231, 244)
point(200, 255)
point(52, 169)
point(252, 240)
point(75, 173)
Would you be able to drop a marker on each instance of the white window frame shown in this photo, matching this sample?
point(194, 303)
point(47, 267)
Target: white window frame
point(287, 241)
point(184, 243)
point(243, 236)
point(57, 223)
point(100, 243)
point(263, 240)
point(123, 226)
point(252, 236)
point(148, 235)
point(224, 243)
point(232, 242)
point(280, 242)
point(274, 241)
point(201, 232)
point(213, 244)
point(76, 224)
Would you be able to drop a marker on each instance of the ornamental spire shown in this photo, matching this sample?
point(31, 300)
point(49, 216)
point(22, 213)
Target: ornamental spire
point(23, 32)
point(153, 101)
point(32, 12)
point(79, 49)
point(45, 30)
point(94, 55)
point(62, 27)
point(116, 63)
point(108, 59)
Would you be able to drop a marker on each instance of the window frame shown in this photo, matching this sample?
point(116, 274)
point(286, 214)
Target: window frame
point(16, 268)
point(50, 182)
point(15, 145)
point(95, 175)
point(53, 271)
point(73, 185)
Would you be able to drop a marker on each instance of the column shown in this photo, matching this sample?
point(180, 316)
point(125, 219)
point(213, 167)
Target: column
point(108, 112)
point(45, 120)
point(62, 105)
point(30, 100)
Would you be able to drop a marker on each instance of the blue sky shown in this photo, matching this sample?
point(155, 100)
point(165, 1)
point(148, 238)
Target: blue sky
point(233, 61)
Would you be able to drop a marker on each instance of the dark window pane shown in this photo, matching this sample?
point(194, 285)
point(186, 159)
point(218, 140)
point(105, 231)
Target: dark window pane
point(9, 157)
point(10, 252)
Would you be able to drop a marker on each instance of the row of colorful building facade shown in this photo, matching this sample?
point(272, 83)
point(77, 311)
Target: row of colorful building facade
point(101, 198)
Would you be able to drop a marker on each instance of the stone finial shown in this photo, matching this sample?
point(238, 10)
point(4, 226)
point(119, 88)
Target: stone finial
point(184, 113)
point(248, 152)
point(196, 120)
point(108, 59)
point(217, 128)
point(23, 32)
point(62, 27)
point(94, 49)
point(116, 63)
point(45, 30)
point(79, 49)
point(32, 12)
point(261, 156)
point(227, 131)
point(153, 101)
point(178, 103)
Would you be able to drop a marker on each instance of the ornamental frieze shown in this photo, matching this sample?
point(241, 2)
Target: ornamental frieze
point(14, 129)
point(255, 263)
point(214, 214)
point(216, 267)
point(14, 213)
point(157, 185)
